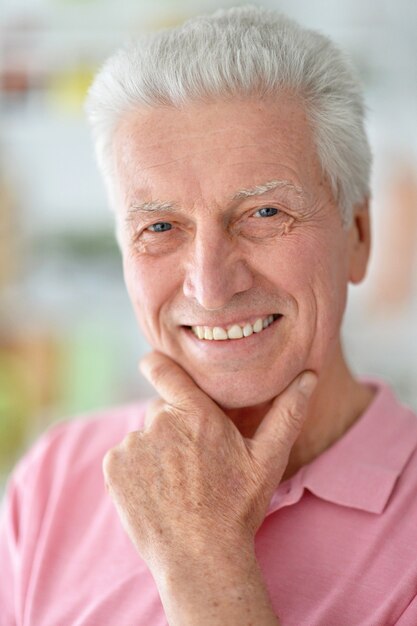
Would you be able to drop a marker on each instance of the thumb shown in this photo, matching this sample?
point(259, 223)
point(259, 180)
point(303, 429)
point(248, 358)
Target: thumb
point(282, 424)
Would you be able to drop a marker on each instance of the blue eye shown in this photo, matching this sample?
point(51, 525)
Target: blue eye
point(267, 211)
point(160, 227)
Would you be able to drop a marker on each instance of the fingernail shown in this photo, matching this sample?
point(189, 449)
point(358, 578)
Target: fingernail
point(307, 383)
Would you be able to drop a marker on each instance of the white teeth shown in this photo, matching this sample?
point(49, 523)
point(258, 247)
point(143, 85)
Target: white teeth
point(257, 327)
point(208, 333)
point(219, 333)
point(247, 330)
point(234, 332)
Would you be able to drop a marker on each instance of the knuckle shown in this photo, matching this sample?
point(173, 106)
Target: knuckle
point(294, 415)
point(172, 412)
point(109, 462)
point(160, 416)
point(130, 442)
point(179, 423)
point(160, 371)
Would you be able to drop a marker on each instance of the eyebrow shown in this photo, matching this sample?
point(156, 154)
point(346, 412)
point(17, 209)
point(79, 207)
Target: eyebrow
point(151, 207)
point(258, 190)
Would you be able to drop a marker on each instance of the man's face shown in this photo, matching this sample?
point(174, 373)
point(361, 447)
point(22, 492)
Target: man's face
point(226, 219)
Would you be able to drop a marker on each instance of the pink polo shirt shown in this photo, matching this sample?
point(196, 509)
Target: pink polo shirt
point(337, 548)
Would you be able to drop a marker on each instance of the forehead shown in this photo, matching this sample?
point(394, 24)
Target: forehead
point(207, 152)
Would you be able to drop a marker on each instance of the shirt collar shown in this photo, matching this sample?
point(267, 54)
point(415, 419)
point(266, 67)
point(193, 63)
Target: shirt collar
point(361, 468)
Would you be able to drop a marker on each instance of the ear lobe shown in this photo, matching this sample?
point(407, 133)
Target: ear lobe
point(359, 242)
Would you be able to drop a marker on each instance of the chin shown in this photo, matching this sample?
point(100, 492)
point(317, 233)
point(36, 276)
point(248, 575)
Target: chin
point(238, 393)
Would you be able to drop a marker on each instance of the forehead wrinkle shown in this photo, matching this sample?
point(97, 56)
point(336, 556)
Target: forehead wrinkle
point(187, 156)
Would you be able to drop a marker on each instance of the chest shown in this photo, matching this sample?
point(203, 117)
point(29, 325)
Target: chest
point(322, 565)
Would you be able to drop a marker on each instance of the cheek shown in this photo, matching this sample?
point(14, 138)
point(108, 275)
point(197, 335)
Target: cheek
point(314, 263)
point(324, 278)
point(149, 286)
point(313, 272)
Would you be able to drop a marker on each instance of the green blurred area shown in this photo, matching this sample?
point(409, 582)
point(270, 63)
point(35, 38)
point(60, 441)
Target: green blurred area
point(15, 404)
point(58, 355)
point(46, 377)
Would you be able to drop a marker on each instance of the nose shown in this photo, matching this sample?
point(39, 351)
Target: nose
point(215, 270)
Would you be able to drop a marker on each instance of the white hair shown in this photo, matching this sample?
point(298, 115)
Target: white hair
point(240, 52)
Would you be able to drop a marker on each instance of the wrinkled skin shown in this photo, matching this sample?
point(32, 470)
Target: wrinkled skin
point(191, 472)
point(221, 262)
point(231, 422)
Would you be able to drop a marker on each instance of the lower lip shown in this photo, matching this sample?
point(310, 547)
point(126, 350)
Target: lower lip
point(232, 346)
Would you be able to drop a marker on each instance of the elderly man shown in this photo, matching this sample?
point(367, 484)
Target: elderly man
point(266, 484)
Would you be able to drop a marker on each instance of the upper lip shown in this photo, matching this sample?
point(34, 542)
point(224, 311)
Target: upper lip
point(242, 319)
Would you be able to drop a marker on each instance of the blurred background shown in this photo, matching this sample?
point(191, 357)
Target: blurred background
point(68, 340)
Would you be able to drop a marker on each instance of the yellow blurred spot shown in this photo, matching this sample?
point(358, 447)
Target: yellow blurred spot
point(67, 90)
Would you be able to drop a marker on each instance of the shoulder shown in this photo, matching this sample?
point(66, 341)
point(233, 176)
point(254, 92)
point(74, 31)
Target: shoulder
point(57, 489)
point(78, 444)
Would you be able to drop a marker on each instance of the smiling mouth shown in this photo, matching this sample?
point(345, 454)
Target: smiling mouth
point(235, 331)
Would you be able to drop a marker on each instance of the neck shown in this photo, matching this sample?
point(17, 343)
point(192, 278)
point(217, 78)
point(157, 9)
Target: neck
point(338, 401)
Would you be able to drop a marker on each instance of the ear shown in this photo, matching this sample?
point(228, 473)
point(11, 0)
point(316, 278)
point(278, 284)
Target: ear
point(359, 242)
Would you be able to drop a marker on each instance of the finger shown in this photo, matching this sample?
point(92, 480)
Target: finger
point(282, 424)
point(153, 409)
point(172, 383)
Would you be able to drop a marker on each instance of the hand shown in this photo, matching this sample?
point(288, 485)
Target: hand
point(190, 484)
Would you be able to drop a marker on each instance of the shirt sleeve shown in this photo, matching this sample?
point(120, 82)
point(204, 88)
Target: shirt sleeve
point(19, 519)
